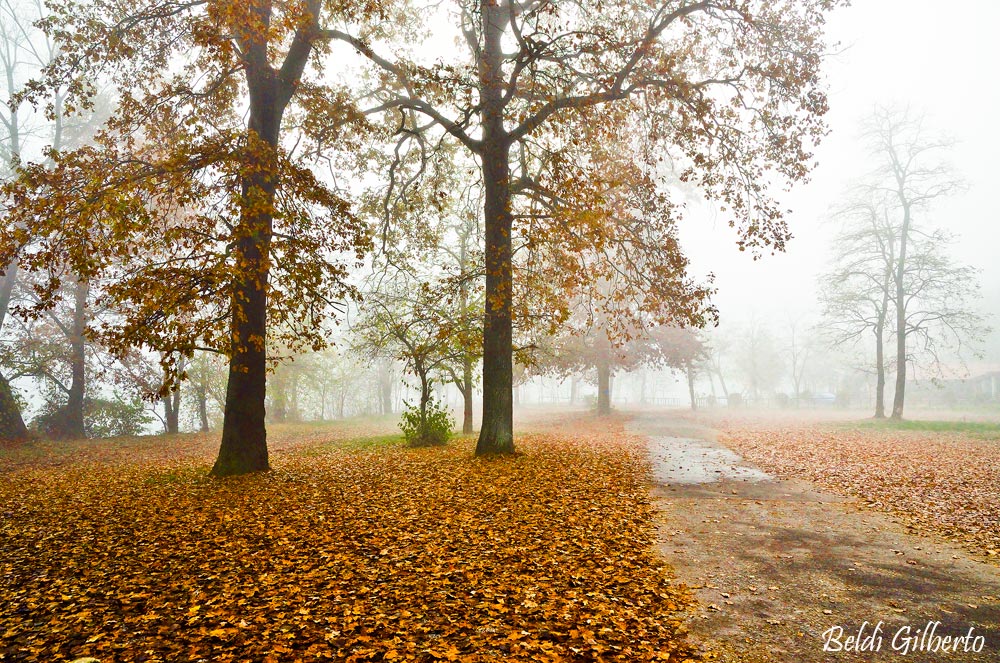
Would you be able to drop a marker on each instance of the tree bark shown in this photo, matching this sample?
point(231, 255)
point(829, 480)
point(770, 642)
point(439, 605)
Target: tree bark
point(11, 421)
point(244, 436)
point(496, 435)
point(171, 412)
point(70, 424)
point(690, 381)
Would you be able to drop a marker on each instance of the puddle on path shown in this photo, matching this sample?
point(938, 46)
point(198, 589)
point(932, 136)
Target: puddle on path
point(680, 460)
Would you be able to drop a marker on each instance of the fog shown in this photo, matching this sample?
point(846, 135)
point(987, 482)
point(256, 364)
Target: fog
point(892, 53)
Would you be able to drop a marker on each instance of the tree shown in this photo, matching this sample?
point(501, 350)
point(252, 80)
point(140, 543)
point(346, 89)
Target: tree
point(909, 170)
point(731, 89)
point(758, 358)
point(682, 349)
point(891, 273)
point(21, 54)
point(857, 294)
point(204, 230)
point(403, 321)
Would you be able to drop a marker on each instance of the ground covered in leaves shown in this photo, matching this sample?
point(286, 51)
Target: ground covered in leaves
point(347, 550)
point(940, 478)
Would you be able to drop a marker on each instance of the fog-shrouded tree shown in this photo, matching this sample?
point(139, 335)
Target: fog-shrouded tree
point(199, 211)
point(24, 50)
point(857, 294)
point(912, 169)
point(758, 358)
point(891, 274)
point(729, 90)
point(681, 349)
point(404, 320)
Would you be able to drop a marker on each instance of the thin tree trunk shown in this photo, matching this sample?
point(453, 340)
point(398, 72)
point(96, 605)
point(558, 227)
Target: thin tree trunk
point(202, 393)
point(466, 395)
point(385, 386)
point(898, 398)
point(879, 373)
point(690, 381)
point(603, 387)
point(496, 435)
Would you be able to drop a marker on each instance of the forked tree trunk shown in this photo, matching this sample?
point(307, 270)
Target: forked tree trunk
point(244, 437)
point(496, 435)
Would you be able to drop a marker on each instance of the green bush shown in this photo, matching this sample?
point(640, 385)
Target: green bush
point(101, 417)
point(428, 429)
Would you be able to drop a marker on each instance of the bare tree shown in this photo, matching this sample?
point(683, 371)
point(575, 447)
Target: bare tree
point(891, 274)
point(857, 293)
point(911, 169)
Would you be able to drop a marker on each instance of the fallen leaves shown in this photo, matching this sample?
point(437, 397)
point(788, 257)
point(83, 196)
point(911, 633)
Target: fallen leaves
point(945, 483)
point(385, 554)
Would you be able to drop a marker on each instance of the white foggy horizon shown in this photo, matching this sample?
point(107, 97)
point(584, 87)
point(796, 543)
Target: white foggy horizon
point(906, 54)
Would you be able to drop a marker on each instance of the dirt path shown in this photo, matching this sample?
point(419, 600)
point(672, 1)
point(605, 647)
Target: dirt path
point(777, 564)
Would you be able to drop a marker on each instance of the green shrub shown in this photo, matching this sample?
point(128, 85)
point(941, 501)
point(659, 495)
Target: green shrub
point(428, 429)
point(101, 417)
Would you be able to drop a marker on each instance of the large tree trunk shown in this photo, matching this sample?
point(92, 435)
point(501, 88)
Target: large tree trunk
point(172, 411)
point(496, 435)
point(244, 436)
point(70, 424)
point(11, 422)
point(898, 398)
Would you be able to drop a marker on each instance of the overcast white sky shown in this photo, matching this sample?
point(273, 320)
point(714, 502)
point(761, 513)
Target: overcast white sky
point(937, 59)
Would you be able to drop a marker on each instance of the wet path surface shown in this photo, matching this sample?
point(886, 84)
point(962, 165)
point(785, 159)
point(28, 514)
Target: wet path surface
point(780, 566)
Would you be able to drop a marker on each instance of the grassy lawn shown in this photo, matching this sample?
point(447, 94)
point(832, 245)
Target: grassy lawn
point(979, 428)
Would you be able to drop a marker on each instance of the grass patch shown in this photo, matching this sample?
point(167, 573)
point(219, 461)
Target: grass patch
point(979, 428)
